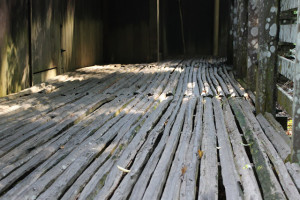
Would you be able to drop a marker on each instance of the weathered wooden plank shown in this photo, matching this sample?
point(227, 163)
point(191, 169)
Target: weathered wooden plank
point(283, 148)
point(278, 128)
point(231, 89)
point(285, 180)
point(247, 177)
point(56, 103)
point(212, 87)
point(196, 89)
point(221, 82)
point(229, 173)
point(267, 54)
point(208, 178)
point(288, 33)
point(99, 139)
point(286, 67)
point(294, 171)
point(188, 188)
point(56, 189)
point(200, 82)
point(143, 180)
point(288, 4)
point(173, 184)
point(268, 182)
point(207, 90)
point(70, 141)
point(89, 154)
point(103, 129)
point(215, 82)
point(158, 179)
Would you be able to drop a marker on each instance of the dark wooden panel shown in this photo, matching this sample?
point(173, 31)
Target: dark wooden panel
point(14, 54)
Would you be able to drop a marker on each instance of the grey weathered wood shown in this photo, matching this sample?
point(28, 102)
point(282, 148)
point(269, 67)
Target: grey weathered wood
point(267, 179)
point(196, 88)
point(208, 178)
point(231, 89)
point(288, 33)
point(111, 181)
point(288, 4)
point(55, 190)
point(247, 177)
point(235, 83)
point(215, 82)
point(127, 111)
point(42, 118)
point(207, 90)
point(283, 149)
point(252, 43)
point(278, 128)
point(296, 102)
point(199, 79)
point(48, 151)
point(44, 154)
point(294, 171)
point(142, 182)
point(212, 87)
point(70, 140)
point(221, 82)
point(286, 67)
point(157, 182)
point(252, 96)
point(188, 188)
point(173, 184)
point(285, 180)
point(83, 160)
point(267, 54)
point(229, 173)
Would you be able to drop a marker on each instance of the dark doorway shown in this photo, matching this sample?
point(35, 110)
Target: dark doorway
point(197, 22)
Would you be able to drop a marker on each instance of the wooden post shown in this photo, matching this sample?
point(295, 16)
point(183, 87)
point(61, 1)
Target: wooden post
point(230, 35)
point(216, 28)
point(252, 43)
point(157, 28)
point(267, 55)
point(296, 100)
point(234, 33)
point(242, 35)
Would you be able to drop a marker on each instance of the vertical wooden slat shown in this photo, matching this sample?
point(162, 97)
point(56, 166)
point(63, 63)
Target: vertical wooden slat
point(267, 54)
point(252, 43)
point(234, 32)
point(242, 33)
point(157, 29)
point(296, 99)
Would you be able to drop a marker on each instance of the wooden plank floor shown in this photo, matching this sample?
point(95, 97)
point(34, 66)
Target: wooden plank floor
point(173, 130)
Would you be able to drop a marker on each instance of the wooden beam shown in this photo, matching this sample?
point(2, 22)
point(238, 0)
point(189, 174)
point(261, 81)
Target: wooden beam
point(296, 101)
point(252, 43)
point(267, 54)
point(216, 27)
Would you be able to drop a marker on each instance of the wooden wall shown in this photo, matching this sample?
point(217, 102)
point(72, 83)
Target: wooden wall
point(34, 32)
point(14, 52)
